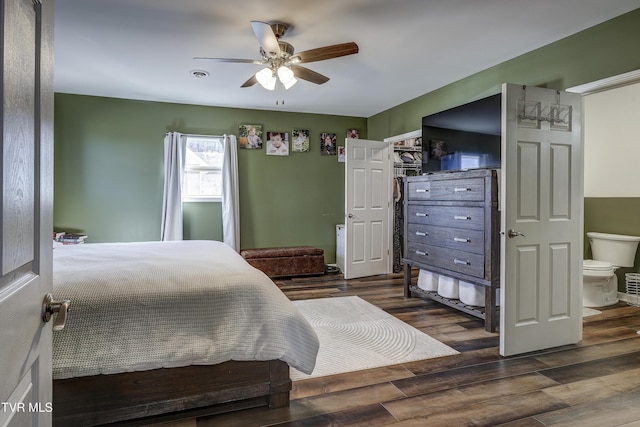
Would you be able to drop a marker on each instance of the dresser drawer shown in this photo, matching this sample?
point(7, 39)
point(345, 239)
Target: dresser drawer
point(446, 216)
point(449, 259)
point(471, 190)
point(453, 238)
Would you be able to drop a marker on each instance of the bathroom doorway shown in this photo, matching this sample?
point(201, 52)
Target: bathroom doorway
point(611, 193)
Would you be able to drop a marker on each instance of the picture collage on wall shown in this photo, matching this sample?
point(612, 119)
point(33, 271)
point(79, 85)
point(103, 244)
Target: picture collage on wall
point(280, 143)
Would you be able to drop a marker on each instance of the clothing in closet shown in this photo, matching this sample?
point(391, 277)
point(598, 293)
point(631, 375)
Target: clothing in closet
point(398, 189)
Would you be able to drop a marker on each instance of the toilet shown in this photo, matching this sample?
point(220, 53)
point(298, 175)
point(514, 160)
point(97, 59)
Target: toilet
point(610, 251)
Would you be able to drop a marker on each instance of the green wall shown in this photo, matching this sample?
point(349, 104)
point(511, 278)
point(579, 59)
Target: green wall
point(109, 173)
point(605, 50)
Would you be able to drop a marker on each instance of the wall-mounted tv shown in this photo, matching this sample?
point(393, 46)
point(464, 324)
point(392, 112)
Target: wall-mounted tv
point(463, 137)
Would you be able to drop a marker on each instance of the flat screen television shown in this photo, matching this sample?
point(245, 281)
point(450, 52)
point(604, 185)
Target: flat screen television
point(463, 137)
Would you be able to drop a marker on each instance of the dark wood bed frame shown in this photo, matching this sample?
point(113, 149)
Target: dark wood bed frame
point(171, 393)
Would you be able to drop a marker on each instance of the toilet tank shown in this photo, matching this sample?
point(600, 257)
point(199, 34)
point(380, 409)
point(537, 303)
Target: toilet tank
point(617, 249)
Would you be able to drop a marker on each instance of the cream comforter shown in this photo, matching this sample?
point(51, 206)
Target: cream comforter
point(140, 306)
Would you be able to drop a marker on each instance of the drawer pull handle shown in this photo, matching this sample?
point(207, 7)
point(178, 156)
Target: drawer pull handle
point(461, 189)
point(461, 240)
point(461, 261)
point(462, 217)
point(422, 253)
point(422, 190)
point(422, 214)
point(421, 233)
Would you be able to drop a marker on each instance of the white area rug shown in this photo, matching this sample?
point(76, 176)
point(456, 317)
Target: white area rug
point(356, 335)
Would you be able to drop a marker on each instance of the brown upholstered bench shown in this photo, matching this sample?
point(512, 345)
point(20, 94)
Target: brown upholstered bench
point(283, 262)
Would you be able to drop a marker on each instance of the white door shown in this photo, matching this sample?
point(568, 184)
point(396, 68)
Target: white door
point(26, 211)
point(542, 219)
point(367, 207)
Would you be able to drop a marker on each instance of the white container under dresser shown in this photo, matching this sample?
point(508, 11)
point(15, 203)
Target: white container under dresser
point(452, 228)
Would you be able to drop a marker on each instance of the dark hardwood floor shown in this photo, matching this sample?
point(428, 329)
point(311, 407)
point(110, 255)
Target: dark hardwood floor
point(596, 383)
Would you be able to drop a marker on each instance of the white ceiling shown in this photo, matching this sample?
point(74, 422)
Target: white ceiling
point(144, 49)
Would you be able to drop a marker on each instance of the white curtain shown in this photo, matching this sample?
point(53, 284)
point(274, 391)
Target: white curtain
point(174, 152)
point(230, 202)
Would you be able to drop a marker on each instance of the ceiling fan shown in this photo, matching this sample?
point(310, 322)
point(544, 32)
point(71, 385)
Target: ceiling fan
point(280, 60)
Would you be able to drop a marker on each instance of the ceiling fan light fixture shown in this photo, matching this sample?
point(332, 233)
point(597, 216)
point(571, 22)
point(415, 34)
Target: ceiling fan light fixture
point(290, 83)
point(285, 74)
point(266, 78)
point(286, 77)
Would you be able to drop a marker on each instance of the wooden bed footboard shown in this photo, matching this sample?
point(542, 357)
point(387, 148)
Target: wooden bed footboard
point(163, 394)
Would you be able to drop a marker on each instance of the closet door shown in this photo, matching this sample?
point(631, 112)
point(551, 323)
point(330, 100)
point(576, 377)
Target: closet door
point(542, 219)
point(367, 208)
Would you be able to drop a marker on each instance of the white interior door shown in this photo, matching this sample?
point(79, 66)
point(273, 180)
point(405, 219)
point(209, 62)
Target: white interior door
point(26, 211)
point(542, 219)
point(367, 208)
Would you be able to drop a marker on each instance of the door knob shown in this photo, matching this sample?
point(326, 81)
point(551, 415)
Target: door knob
point(512, 233)
point(51, 307)
point(350, 216)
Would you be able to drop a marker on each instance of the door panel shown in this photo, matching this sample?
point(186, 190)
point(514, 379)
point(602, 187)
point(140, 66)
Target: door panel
point(377, 241)
point(26, 211)
point(527, 275)
point(560, 181)
point(367, 208)
point(358, 242)
point(528, 161)
point(541, 195)
point(560, 301)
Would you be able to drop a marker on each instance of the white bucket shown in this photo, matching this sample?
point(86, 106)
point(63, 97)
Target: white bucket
point(471, 294)
point(427, 280)
point(448, 287)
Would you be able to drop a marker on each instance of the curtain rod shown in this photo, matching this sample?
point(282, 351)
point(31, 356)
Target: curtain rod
point(194, 135)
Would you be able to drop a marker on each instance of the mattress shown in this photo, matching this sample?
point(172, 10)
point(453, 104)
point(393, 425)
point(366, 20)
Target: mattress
point(148, 305)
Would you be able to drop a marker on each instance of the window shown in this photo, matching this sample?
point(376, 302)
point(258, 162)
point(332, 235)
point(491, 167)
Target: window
point(202, 180)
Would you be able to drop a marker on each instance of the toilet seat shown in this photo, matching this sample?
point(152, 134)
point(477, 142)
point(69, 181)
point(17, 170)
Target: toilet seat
point(594, 268)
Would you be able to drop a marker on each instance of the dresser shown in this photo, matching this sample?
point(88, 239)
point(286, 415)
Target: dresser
point(452, 227)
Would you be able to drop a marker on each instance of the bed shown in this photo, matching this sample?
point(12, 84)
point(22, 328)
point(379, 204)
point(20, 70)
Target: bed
point(161, 327)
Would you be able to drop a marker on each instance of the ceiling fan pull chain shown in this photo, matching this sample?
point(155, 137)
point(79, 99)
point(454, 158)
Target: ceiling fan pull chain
point(278, 83)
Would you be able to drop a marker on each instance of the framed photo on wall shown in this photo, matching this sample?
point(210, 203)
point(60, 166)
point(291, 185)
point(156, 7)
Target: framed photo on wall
point(250, 136)
point(328, 144)
point(277, 143)
point(353, 133)
point(300, 140)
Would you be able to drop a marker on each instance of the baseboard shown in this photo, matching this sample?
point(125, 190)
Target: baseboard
point(629, 299)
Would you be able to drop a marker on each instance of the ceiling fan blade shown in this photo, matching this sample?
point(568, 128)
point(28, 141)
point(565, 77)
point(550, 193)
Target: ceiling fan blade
point(266, 37)
point(327, 52)
point(308, 75)
point(242, 61)
point(252, 80)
